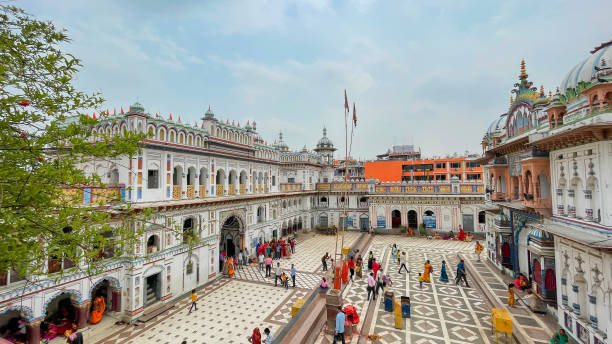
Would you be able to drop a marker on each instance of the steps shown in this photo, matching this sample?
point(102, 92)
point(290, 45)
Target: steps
point(154, 312)
point(150, 296)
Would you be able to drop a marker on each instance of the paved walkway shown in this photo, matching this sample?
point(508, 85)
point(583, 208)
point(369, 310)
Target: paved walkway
point(440, 312)
point(534, 328)
point(229, 309)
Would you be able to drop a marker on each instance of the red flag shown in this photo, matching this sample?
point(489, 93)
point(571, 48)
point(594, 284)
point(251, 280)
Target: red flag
point(354, 115)
point(122, 110)
point(346, 106)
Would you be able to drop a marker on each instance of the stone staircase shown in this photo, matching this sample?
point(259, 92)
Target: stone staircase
point(150, 297)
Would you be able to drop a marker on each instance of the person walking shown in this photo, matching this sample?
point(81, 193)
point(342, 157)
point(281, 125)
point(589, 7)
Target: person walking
point(324, 261)
point(375, 266)
point(443, 274)
point(284, 281)
point(268, 266)
point(269, 336)
point(261, 262)
point(559, 337)
point(239, 262)
point(402, 258)
point(511, 295)
point(255, 338)
point(426, 272)
point(339, 332)
point(277, 274)
point(194, 299)
point(478, 249)
point(293, 274)
point(351, 266)
point(371, 286)
point(278, 250)
point(359, 267)
point(461, 273)
point(292, 243)
point(370, 259)
point(245, 256)
point(379, 281)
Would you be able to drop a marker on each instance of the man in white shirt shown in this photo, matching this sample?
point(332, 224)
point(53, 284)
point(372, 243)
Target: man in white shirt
point(269, 337)
point(371, 286)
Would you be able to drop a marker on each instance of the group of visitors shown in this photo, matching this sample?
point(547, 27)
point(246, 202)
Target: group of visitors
point(276, 249)
point(230, 263)
point(255, 338)
point(462, 236)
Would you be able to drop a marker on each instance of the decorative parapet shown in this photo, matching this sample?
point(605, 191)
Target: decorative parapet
point(288, 187)
point(402, 188)
point(95, 194)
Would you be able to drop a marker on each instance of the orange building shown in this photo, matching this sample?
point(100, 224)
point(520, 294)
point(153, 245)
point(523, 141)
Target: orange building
point(443, 169)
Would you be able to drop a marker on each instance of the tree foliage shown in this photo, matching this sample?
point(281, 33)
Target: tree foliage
point(44, 136)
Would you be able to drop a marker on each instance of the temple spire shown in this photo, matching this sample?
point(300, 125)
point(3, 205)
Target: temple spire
point(523, 70)
point(511, 100)
point(542, 94)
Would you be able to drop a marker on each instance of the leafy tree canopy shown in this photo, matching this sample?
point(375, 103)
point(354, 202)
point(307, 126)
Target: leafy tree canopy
point(44, 136)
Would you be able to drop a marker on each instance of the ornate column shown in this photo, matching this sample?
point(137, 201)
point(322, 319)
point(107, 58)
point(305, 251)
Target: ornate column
point(588, 196)
point(571, 209)
point(116, 300)
point(81, 314)
point(33, 331)
point(560, 202)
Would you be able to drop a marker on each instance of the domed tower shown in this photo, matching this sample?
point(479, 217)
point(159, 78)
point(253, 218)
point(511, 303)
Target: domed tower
point(281, 145)
point(325, 148)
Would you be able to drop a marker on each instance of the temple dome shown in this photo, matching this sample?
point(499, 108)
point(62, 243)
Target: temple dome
point(497, 126)
point(585, 70)
point(325, 142)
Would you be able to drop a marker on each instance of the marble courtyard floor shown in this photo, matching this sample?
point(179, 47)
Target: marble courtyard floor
point(229, 309)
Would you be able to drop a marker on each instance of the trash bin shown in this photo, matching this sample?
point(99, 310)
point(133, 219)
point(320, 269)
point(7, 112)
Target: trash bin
point(405, 300)
point(389, 301)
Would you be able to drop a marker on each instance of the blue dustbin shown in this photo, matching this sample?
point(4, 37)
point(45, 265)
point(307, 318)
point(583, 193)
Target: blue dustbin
point(389, 300)
point(405, 302)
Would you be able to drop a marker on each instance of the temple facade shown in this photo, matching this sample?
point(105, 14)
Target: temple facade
point(547, 169)
point(224, 184)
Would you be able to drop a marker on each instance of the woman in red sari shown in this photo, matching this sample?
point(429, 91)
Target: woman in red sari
point(255, 338)
point(461, 236)
point(283, 249)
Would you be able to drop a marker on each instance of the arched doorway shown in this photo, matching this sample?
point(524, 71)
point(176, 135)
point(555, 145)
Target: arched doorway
point(413, 221)
point(364, 222)
point(396, 219)
point(105, 296)
point(231, 231)
point(537, 275)
point(61, 313)
point(429, 219)
point(323, 223)
point(505, 253)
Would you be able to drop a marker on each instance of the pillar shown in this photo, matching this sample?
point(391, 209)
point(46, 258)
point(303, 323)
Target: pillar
point(33, 332)
point(81, 314)
point(116, 300)
point(588, 197)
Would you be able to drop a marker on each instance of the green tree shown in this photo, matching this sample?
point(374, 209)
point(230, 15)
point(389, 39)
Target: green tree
point(44, 136)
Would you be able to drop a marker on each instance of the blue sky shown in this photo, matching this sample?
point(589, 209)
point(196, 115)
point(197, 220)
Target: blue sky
point(435, 73)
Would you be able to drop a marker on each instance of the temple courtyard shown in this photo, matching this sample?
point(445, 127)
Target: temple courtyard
point(229, 309)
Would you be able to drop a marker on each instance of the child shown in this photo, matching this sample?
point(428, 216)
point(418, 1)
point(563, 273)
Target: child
point(511, 294)
point(194, 299)
point(420, 281)
point(386, 282)
point(284, 280)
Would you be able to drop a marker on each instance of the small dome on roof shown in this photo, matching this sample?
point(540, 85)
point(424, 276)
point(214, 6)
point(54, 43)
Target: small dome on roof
point(281, 145)
point(137, 107)
point(497, 126)
point(587, 70)
point(324, 142)
point(209, 113)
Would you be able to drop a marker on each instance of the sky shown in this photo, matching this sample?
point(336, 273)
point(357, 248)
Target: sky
point(430, 73)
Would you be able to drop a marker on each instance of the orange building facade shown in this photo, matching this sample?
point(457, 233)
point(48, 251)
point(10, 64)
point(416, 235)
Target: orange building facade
point(424, 170)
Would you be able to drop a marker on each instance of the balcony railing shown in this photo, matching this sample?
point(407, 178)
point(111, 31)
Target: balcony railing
point(220, 190)
point(95, 194)
point(176, 191)
point(232, 189)
point(265, 189)
point(190, 191)
point(431, 187)
point(287, 187)
point(242, 189)
point(203, 191)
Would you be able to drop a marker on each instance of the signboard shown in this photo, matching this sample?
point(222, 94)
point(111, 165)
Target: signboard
point(380, 222)
point(429, 221)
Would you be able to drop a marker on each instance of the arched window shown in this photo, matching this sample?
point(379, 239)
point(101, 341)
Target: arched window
point(162, 135)
point(181, 138)
point(190, 140)
point(172, 136)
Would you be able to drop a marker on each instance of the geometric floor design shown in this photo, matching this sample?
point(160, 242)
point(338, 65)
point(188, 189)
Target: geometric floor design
point(440, 312)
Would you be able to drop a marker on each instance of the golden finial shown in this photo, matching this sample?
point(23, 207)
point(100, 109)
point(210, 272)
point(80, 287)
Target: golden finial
point(523, 71)
point(549, 94)
point(511, 100)
point(542, 90)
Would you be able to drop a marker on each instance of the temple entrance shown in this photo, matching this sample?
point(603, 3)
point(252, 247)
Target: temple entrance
point(505, 253)
point(364, 223)
point(60, 315)
point(230, 236)
point(429, 219)
point(101, 300)
point(468, 222)
point(152, 291)
point(396, 219)
point(413, 222)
